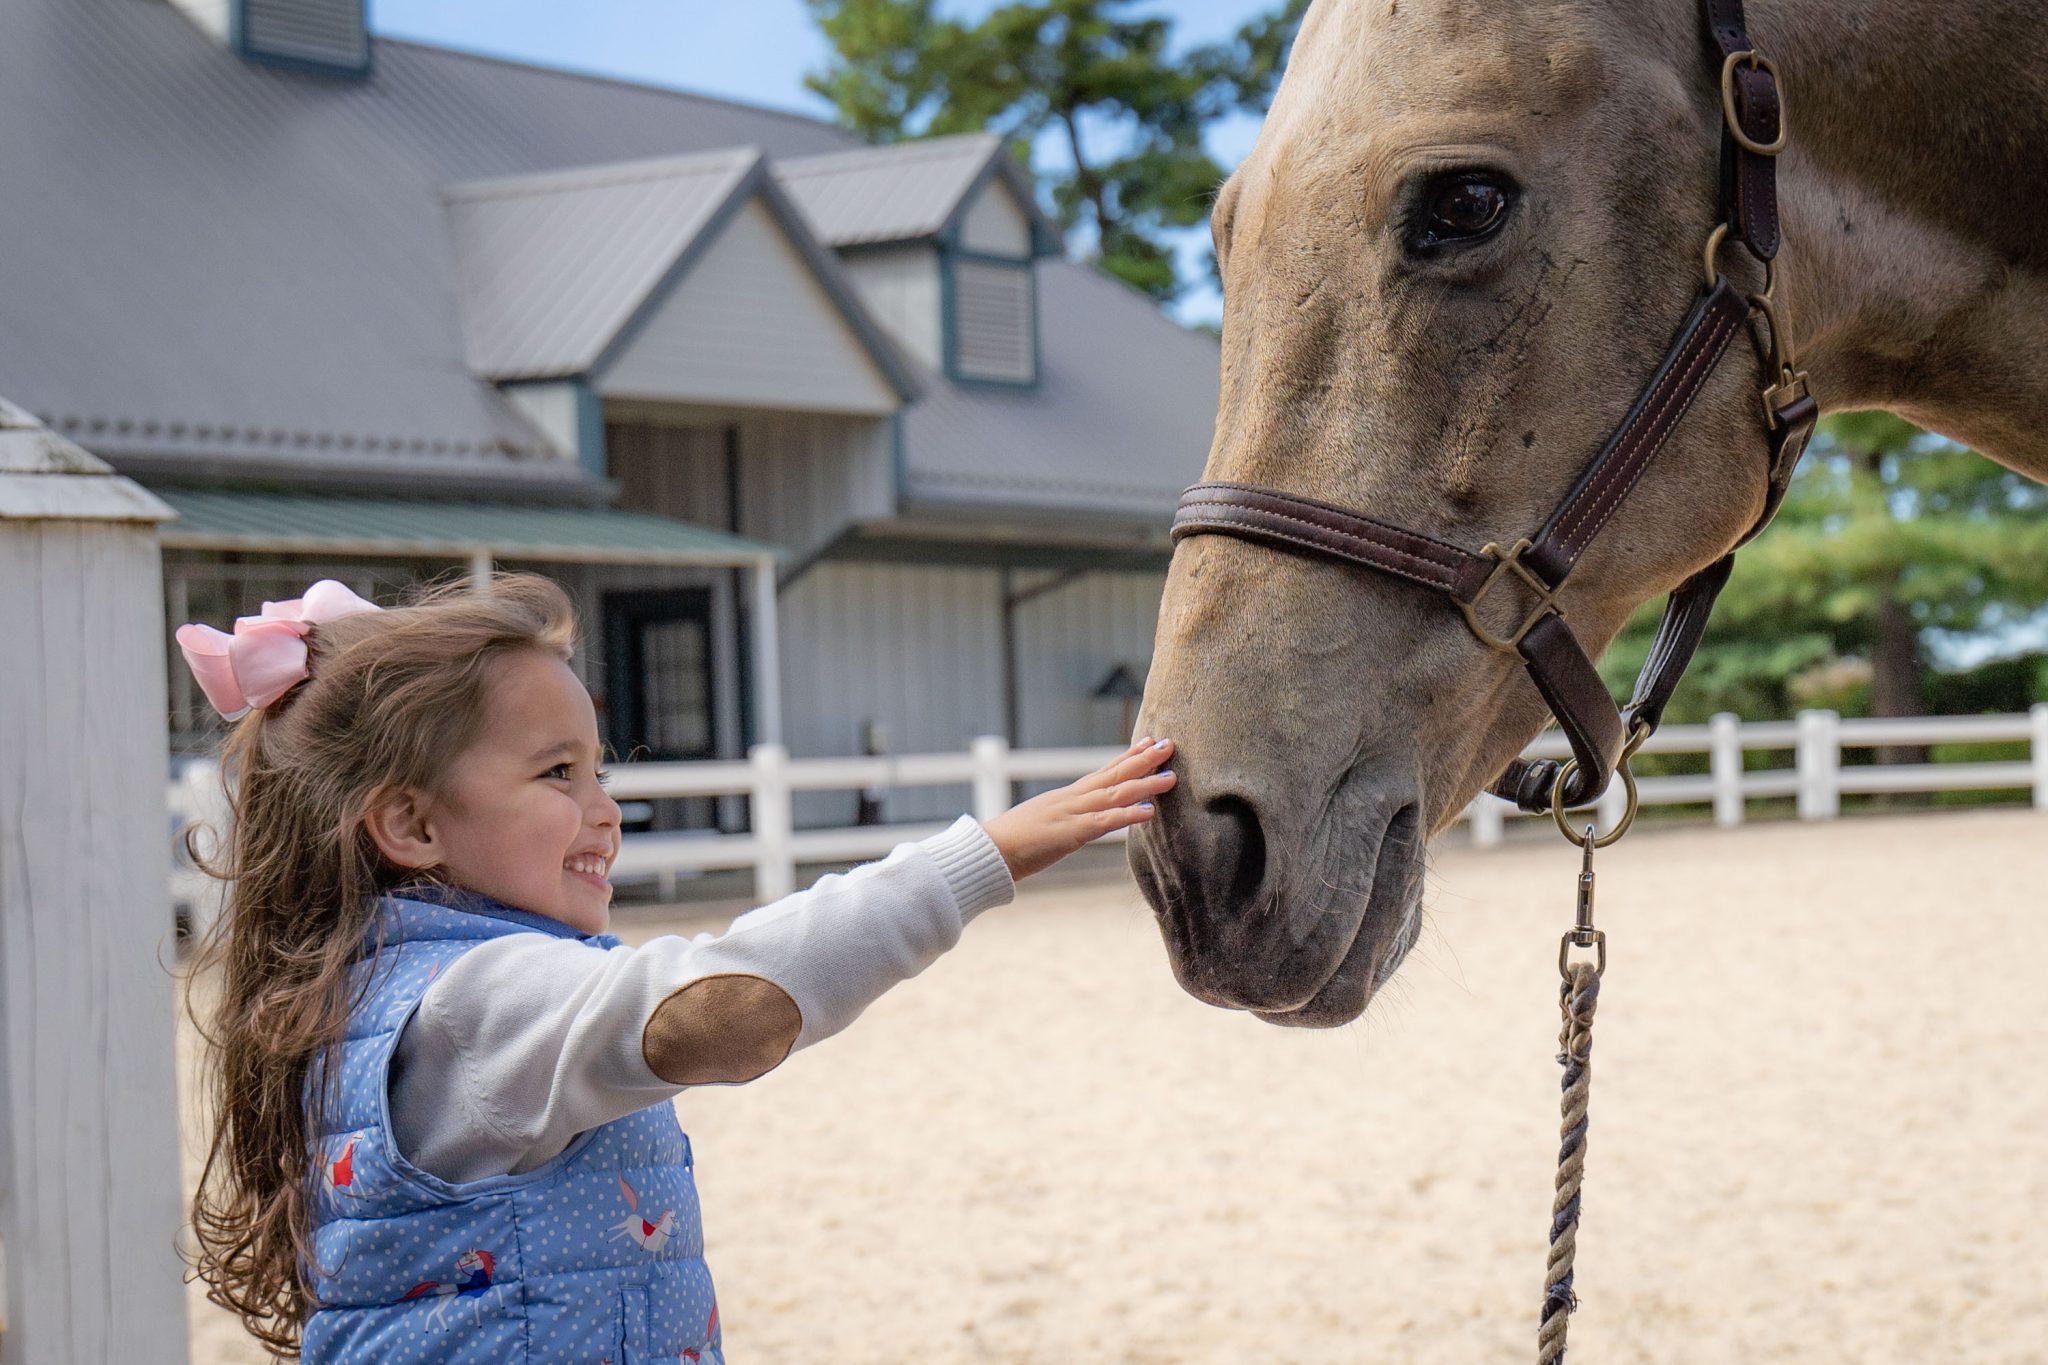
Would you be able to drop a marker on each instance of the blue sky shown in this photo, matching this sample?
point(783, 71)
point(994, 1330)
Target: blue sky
point(753, 50)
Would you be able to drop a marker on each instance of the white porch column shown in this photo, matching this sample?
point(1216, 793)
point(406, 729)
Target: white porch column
point(89, 1177)
point(767, 656)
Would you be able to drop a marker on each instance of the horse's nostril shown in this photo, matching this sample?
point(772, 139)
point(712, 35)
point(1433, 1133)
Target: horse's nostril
point(1238, 857)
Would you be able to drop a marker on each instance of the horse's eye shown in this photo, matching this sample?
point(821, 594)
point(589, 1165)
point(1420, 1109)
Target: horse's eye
point(1463, 209)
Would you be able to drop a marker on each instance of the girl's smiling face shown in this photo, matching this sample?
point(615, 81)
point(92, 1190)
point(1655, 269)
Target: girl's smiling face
point(521, 815)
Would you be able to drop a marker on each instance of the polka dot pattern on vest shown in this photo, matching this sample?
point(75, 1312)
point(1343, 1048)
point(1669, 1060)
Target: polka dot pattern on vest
point(596, 1256)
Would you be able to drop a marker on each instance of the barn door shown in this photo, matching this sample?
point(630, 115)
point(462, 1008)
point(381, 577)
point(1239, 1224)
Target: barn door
point(658, 655)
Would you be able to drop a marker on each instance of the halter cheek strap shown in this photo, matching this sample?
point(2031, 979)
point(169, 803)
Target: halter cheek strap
point(1601, 735)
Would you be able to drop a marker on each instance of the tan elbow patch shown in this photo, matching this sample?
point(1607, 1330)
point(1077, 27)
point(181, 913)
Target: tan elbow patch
point(718, 1030)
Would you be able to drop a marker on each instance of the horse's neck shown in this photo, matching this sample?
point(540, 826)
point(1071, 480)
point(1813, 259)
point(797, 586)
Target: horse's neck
point(1915, 193)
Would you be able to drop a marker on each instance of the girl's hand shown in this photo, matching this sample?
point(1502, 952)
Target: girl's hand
point(1039, 832)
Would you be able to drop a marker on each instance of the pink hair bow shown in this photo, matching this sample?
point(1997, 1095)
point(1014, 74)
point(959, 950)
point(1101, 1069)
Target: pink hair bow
point(266, 656)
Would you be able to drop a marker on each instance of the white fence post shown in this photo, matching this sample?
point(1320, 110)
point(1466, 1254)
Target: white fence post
point(1725, 762)
point(1820, 761)
point(1489, 820)
point(773, 823)
point(1613, 804)
point(89, 1190)
point(2038, 717)
point(991, 755)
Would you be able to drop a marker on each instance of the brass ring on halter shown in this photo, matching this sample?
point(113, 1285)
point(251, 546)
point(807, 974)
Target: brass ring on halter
point(1639, 732)
point(1759, 62)
point(1564, 827)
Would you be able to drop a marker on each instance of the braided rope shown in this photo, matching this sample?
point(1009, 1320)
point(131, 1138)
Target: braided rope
point(1578, 994)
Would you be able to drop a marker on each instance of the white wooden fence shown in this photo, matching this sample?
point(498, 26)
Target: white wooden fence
point(774, 848)
point(1817, 779)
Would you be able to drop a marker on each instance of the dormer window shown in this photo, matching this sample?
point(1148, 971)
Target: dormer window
point(992, 319)
point(942, 238)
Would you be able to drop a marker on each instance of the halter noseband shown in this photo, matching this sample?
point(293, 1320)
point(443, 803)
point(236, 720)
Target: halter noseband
point(1602, 736)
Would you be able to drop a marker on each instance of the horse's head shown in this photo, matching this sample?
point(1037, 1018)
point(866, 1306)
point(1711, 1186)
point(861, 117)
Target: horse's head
point(1456, 254)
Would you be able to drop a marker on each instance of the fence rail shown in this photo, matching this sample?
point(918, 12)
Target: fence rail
point(774, 848)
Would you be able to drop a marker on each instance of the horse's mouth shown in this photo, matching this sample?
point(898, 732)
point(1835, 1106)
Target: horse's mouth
point(1387, 929)
point(1308, 952)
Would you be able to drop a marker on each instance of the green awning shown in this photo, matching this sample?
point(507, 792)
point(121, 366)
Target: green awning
point(309, 523)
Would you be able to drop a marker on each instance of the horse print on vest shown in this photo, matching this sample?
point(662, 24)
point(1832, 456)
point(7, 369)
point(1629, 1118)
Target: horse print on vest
point(649, 1237)
point(472, 1277)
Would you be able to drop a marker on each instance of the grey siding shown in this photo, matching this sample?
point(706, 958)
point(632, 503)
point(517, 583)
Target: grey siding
point(803, 476)
point(994, 224)
point(919, 650)
point(913, 648)
point(750, 325)
point(1068, 641)
point(677, 471)
point(900, 286)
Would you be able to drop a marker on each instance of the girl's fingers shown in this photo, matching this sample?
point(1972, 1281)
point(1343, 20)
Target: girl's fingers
point(1134, 790)
point(1122, 817)
point(1138, 759)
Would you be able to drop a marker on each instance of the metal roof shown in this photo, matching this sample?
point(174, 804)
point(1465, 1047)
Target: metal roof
point(226, 262)
point(551, 266)
point(300, 523)
point(252, 270)
point(905, 191)
point(1120, 421)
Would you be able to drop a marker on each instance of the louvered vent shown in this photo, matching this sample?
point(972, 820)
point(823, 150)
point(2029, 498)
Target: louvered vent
point(995, 332)
point(331, 34)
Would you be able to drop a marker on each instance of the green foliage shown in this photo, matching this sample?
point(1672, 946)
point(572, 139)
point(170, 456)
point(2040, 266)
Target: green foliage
point(1074, 68)
point(1880, 512)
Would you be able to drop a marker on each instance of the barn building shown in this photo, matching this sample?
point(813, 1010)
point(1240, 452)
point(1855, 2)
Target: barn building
point(828, 440)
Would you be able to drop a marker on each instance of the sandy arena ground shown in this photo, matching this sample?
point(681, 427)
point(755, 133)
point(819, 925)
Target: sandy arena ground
point(1820, 1129)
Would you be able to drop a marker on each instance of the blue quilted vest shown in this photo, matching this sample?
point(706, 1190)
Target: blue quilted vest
point(597, 1256)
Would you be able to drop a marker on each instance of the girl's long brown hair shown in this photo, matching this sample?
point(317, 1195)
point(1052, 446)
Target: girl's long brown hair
point(392, 697)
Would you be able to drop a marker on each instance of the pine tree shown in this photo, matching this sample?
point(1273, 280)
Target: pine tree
point(1089, 72)
point(1891, 542)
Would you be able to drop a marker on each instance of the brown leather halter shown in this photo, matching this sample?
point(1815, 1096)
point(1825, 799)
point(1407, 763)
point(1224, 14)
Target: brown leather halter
point(1602, 736)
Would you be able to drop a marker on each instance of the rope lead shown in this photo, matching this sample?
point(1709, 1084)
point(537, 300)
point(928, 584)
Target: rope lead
point(1578, 995)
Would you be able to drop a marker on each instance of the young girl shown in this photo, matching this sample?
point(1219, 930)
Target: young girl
point(444, 1130)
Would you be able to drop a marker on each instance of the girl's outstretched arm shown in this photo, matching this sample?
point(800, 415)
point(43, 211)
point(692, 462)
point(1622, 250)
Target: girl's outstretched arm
point(529, 1040)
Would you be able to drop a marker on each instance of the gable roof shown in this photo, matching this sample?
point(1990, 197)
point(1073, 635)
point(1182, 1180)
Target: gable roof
point(555, 269)
point(907, 191)
point(231, 265)
point(552, 266)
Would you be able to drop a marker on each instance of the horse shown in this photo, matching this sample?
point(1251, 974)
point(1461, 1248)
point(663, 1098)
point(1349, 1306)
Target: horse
point(1451, 261)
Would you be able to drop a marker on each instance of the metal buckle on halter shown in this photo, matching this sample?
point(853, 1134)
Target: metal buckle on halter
point(1510, 561)
point(1756, 62)
point(1790, 388)
point(1788, 381)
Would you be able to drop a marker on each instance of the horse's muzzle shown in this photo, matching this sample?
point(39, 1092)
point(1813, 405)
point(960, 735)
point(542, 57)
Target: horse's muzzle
point(1298, 926)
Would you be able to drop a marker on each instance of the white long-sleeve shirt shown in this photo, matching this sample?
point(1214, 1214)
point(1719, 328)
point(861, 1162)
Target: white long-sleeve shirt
point(529, 1040)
